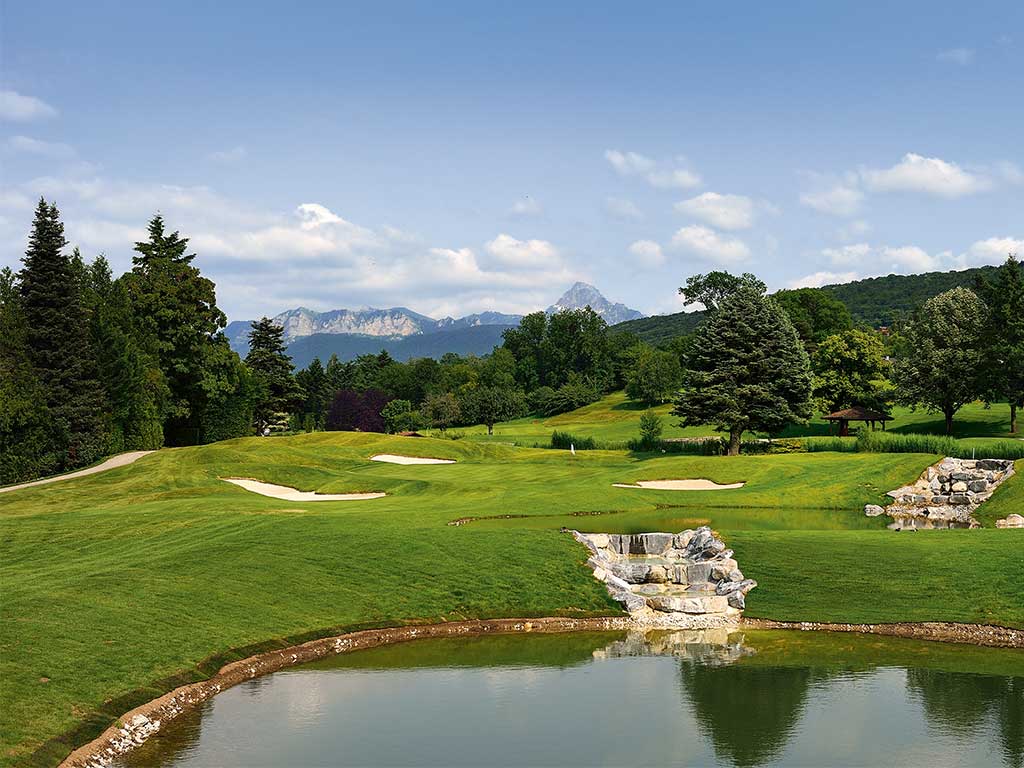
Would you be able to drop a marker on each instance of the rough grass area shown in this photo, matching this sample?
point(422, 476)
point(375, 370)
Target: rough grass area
point(124, 584)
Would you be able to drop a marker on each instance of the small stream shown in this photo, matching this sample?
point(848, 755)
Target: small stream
point(711, 698)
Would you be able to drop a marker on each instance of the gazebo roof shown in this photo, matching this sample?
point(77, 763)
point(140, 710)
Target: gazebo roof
point(858, 413)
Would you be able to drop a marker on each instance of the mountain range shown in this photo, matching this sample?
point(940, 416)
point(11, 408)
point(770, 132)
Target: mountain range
point(405, 333)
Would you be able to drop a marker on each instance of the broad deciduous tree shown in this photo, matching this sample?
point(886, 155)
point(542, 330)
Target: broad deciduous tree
point(939, 363)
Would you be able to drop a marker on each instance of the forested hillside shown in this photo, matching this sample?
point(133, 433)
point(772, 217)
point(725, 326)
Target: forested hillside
point(874, 301)
point(660, 329)
point(879, 301)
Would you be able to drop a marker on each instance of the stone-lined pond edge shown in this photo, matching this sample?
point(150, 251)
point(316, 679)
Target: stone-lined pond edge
point(139, 724)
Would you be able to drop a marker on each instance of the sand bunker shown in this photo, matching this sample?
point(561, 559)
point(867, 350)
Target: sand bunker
point(290, 494)
point(392, 458)
point(679, 485)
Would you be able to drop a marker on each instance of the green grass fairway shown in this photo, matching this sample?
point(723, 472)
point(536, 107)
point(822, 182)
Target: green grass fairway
point(118, 586)
point(615, 419)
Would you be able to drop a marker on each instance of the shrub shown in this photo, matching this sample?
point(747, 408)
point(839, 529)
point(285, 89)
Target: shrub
point(575, 393)
point(563, 441)
point(705, 446)
point(651, 428)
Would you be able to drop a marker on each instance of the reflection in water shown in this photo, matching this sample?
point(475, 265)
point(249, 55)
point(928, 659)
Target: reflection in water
point(957, 703)
point(748, 713)
point(706, 697)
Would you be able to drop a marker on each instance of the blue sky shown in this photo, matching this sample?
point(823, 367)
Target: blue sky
point(457, 157)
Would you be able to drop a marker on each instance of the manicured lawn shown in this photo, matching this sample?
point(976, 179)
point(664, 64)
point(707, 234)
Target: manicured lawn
point(616, 419)
point(123, 584)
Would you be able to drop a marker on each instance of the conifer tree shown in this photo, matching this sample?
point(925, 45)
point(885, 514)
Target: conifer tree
point(175, 307)
point(748, 369)
point(57, 338)
point(132, 379)
point(271, 366)
point(317, 392)
point(28, 447)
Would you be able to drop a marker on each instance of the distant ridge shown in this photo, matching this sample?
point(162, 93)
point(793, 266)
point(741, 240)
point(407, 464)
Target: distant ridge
point(369, 329)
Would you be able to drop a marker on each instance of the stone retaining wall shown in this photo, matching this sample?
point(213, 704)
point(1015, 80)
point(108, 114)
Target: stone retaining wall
point(946, 494)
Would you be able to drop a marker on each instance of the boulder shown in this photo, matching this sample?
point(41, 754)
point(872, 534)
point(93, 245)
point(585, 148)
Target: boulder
point(630, 601)
point(681, 540)
point(698, 572)
point(737, 600)
point(873, 510)
point(650, 543)
point(632, 573)
point(958, 487)
point(978, 486)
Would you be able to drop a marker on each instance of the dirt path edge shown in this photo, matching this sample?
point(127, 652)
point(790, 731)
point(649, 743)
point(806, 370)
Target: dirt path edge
point(136, 726)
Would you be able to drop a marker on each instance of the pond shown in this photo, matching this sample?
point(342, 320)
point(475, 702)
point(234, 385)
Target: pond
point(715, 698)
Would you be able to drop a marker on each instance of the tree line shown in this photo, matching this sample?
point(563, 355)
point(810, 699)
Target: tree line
point(763, 362)
point(92, 365)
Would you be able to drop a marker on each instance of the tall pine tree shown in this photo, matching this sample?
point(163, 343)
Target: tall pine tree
point(57, 337)
point(28, 444)
point(272, 368)
point(175, 309)
point(134, 384)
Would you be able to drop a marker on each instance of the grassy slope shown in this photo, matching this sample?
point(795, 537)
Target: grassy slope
point(615, 419)
point(116, 581)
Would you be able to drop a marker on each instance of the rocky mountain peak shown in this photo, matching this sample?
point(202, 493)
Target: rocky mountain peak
point(582, 295)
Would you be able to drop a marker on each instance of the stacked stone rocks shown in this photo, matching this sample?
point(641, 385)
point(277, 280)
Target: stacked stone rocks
point(946, 494)
point(688, 573)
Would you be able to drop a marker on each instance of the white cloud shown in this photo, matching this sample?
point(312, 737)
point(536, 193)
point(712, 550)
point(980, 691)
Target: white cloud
point(818, 279)
point(648, 253)
point(510, 252)
point(869, 260)
point(526, 208)
point(20, 108)
point(29, 146)
point(635, 164)
point(708, 244)
point(229, 156)
point(994, 250)
point(722, 211)
point(931, 175)
point(911, 258)
point(264, 262)
point(961, 56)
point(673, 178)
point(848, 254)
point(628, 163)
point(839, 200)
point(623, 209)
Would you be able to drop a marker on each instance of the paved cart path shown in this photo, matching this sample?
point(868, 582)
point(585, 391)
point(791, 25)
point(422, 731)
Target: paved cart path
point(121, 460)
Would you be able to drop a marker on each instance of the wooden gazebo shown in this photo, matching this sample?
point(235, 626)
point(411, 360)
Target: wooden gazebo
point(856, 413)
